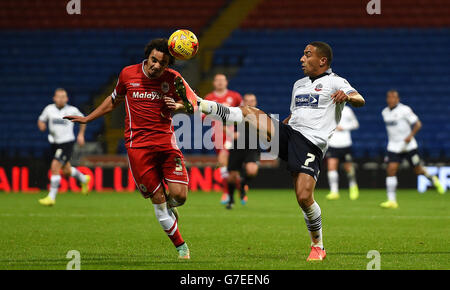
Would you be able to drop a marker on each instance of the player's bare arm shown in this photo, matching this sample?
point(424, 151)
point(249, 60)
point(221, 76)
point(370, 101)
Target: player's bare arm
point(286, 121)
point(107, 106)
point(354, 98)
point(175, 107)
point(415, 129)
point(80, 137)
point(41, 125)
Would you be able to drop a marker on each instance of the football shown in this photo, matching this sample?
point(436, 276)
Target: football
point(183, 44)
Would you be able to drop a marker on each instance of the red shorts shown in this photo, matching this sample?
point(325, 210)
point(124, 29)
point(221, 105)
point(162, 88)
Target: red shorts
point(150, 169)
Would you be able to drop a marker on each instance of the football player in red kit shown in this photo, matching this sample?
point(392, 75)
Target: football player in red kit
point(149, 91)
point(223, 135)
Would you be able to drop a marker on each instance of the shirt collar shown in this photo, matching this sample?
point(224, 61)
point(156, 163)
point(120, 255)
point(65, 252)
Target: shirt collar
point(327, 72)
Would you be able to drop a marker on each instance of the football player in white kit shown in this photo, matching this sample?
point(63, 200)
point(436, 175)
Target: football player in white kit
point(401, 125)
point(340, 149)
point(316, 105)
point(61, 138)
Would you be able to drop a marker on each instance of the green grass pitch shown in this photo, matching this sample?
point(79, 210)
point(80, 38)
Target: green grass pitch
point(119, 231)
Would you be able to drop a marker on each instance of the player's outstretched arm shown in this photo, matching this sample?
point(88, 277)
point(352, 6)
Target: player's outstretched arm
point(41, 125)
point(354, 98)
point(107, 106)
point(415, 129)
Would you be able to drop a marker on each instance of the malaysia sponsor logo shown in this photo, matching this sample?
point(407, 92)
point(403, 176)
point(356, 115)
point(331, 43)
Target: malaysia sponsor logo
point(307, 100)
point(146, 95)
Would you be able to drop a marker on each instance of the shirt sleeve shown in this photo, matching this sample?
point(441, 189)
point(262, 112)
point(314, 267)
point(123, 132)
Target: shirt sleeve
point(43, 117)
point(121, 88)
point(410, 116)
point(343, 85)
point(238, 100)
point(77, 112)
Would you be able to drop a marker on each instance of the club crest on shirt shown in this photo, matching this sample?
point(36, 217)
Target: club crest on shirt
point(318, 88)
point(165, 87)
point(142, 188)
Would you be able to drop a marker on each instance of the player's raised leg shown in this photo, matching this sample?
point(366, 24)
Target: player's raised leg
point(234, 115)
point(304, 185)
point(391, 186)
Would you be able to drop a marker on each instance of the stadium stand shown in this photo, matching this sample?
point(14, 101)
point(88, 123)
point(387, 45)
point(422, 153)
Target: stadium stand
point(398, 49)
point(43, 48)
point(404, 50)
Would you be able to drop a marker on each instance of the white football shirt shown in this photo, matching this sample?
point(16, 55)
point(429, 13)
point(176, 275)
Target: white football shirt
point(60, 130)
point(342, 139)
point(398, 123)
point(313, 113)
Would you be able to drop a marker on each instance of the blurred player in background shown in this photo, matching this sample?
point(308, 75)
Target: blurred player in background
point(316, 104)
point(62, 139)
point(340, 149)
point(242, 159)
point(401, 126)
point(222, 136)
point(152, 92)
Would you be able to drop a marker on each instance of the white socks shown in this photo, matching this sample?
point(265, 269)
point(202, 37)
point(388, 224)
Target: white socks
point(78, 175)
point(313, 219)
point(351, 177)
point(228, 115)
point(165, 217)
point(333, 180)
point(54, 186)
point(391, 186)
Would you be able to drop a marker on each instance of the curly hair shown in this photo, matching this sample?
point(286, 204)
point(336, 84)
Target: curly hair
point(160, 44)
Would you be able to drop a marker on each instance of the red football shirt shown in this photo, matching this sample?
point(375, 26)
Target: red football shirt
point(222, 136)
point(148, 122)
point(229, 99)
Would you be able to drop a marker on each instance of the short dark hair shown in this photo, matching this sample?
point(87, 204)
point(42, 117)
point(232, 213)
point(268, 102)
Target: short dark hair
point(160, 44)
point(60, 90)
point(324, 49)
point(393, 91)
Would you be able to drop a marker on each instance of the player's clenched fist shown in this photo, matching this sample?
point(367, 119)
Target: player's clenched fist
point(339, 97)
point(76, 119)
